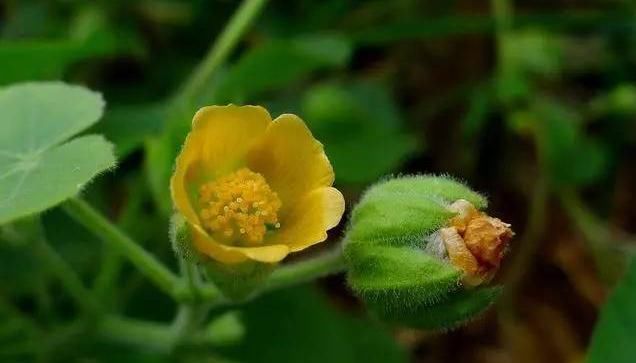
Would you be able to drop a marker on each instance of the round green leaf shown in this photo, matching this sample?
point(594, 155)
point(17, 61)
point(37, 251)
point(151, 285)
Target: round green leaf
point(36, 116)
point(36, 172)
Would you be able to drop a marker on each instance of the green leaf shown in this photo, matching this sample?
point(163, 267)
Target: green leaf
point(361, 128)
point(298, 325)
point(615, 334)
point(37, 170)
point(280, 62)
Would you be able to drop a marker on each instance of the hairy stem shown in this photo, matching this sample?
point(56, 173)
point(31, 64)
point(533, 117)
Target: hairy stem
point(151, 335)
point(164, 337)
point(328, 263)
point(223, 46)
point(148, 265)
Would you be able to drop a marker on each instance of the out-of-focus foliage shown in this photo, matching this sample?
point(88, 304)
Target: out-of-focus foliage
point(614, 336)
point(305, 326)
point(278, 63)
point(360, 127)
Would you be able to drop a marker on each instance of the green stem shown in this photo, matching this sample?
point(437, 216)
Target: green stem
point(110, 267)
point(190, 275)
point(222, 47)
point(164, 337)
point(293, 274)
point(86, 215)
point(328, 263)
point(151, 335)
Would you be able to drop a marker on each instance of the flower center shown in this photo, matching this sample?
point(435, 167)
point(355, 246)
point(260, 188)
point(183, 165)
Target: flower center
point(239, 207)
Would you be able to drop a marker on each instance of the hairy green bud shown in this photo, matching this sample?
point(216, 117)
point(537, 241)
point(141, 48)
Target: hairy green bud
point(416, 248)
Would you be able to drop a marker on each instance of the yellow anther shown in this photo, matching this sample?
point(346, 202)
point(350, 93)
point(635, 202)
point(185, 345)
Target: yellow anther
point(239, 207)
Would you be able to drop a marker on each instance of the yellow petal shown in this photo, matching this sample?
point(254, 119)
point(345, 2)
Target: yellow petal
point(309, 219)
point(230, 254)
point(291, 159)
point(219, 142)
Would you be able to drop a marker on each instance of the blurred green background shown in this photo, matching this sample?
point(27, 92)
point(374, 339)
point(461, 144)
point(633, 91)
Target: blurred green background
point(531, 102)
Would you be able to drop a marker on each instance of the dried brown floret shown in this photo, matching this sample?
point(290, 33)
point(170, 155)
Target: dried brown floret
point(475, 242)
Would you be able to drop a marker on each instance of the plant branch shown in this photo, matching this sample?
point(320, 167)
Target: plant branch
point(151, 335)
point(153, 269)
point(163, 337)
point(222, 47)
point(328, 263)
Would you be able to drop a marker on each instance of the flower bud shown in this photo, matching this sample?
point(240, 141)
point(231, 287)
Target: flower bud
point(419, 251)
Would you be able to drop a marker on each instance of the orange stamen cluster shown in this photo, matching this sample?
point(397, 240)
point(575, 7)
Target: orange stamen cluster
point(239, 207)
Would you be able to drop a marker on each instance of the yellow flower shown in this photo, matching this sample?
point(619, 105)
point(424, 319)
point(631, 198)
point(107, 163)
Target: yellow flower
point(251, 188)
